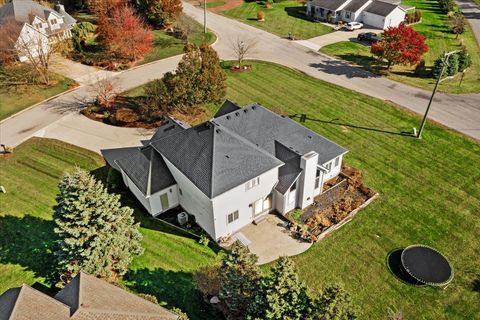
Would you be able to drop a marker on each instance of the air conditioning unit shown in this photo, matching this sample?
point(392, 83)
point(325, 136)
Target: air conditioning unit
point(182, 218)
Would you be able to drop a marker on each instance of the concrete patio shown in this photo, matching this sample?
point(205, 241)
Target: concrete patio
point(270, 240)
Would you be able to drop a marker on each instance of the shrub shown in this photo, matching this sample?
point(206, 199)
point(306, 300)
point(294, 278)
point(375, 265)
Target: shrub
point(437, 67)
point(420, 68)
point(452, 67)
point(446, 6)
point(464, 60)
point(207, 281)
point(261, 16)
point(204, 241)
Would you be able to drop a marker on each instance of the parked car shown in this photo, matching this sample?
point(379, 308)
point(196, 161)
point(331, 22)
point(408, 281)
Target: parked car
point(354, 26)
point(368, 37)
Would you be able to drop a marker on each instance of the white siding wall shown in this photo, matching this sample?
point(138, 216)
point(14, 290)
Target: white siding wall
point(154, 199)
point(240, 199)
point(33, 39)
point(334, 170)
point(193, 200)
point(396, 17)
point(138, 194)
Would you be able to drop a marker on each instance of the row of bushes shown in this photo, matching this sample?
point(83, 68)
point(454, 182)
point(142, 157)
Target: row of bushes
point(446, 5)
point(458, 62)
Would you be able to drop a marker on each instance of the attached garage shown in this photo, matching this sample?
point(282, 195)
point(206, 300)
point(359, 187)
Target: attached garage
point(383, 15)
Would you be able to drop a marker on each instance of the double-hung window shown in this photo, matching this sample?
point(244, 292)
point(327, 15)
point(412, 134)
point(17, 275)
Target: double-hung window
point(232, 216)
point(328, 166)
point(337, 161)
point(252, 183)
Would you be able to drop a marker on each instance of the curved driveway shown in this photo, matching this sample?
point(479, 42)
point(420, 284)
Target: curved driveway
point(460, 112)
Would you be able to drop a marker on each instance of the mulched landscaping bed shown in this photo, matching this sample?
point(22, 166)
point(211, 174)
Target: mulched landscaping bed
point(342, 197)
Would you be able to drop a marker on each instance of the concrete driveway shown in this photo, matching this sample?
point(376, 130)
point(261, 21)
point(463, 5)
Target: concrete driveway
point(333, 37)
point(81, 73)
point(78, 130)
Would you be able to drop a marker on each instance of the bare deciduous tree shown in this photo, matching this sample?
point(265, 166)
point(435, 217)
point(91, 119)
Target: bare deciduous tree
point(105, 90)
point(242, 48)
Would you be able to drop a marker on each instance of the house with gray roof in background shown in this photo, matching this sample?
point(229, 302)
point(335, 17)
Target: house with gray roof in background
point(39, 25)
point(85, 297)
point(379, 14)
point(229, 171)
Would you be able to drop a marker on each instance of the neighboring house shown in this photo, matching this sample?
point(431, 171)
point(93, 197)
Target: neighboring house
point(230, 171)
point(85, 297)
point(375, 13)
point(40, 25)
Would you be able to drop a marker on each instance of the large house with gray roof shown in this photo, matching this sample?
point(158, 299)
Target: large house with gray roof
point(39, 25)
point(375, 13)
point(231, 170)
point(84, 298)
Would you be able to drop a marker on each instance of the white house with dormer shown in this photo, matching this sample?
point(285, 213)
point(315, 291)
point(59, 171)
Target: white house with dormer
point(231, 170)
point(40, 25)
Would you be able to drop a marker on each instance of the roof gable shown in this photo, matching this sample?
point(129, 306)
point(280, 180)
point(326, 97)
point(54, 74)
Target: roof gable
point(381, 8)
point(290, 171)
point(227, 107)
point(329, 4)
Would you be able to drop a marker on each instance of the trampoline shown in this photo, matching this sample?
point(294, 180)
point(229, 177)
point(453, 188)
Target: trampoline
point(427, 265)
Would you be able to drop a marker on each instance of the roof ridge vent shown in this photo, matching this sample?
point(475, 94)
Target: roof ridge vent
point(237, 114)
point(253, 107)
point(228, 117)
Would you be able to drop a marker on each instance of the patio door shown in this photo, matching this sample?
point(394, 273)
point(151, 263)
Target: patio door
point(262, 205)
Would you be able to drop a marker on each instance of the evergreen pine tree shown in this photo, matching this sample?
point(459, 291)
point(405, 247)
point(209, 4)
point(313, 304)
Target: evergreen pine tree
point(282, 295)
point(452, 67)
point(333, 304)
point(239, 279)
point(437, 68)
point(464, 60)
point(96, 235)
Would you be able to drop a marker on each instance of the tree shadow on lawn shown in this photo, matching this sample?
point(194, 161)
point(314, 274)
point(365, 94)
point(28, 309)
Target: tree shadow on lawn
point(394, 264)
point(173, 288)
point(298, 12)
point(29, 242)
point(343, 68)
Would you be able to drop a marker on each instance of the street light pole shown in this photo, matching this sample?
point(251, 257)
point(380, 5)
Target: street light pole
point(445, 58)
point(204, 16)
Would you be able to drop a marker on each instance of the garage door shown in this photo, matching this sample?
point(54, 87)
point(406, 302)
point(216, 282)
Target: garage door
point(373, 20)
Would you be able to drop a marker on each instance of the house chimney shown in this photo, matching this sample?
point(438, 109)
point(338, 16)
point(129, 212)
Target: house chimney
point(60, 8)
point(306, 187)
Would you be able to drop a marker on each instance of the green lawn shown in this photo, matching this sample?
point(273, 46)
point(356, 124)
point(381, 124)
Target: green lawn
point(428, 194)
point(26, 228)
point(15, 99)
point(439, 39)
point(283, 18)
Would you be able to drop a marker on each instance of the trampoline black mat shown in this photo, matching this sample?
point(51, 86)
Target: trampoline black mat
point(427, 265)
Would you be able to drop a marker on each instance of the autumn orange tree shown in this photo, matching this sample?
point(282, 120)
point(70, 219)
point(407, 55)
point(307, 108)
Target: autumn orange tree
point(400, 45)
point(124, 34)
point(160, 13)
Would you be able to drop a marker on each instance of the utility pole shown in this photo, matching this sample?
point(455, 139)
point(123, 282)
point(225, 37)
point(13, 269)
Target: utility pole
point(204, 16)
point(445, 58)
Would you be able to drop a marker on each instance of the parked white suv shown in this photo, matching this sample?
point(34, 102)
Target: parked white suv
point(354, 25)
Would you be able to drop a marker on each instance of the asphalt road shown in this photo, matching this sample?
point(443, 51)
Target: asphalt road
point(471, 11)
point(460, 112)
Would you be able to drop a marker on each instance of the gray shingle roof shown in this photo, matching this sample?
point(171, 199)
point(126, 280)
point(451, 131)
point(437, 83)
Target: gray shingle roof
point(22, 11)
point(290, 171)
point(354, 5)
point(329, 4)
point(169, 126)
point(262, 127)
point(227, 107)
point(147, 169)
point(381, 8)
point(213, 159)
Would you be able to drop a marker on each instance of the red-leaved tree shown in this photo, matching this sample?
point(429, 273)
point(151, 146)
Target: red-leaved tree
point(124, 34)
point(400, 45)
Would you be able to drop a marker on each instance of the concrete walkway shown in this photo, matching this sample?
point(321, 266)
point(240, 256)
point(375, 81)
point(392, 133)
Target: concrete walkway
point(333, 37)
point(471, 11)
point(270, 240)
point(83, 74)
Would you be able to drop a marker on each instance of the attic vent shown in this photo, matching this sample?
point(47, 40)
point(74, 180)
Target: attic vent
point(227, 156)
point(228, 117)
point(166, 121)
point(218, 130)
point(309, 137)
point(245, 110)
point(169, 128)
point(253, 107)
point(283, 116)
point(208, 125)
point(237, 114)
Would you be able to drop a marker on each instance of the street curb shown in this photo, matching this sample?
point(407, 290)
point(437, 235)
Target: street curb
point(43, 101)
